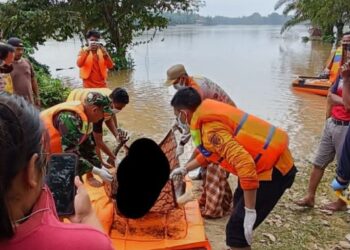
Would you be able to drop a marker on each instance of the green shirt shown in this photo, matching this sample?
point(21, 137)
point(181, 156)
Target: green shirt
point(75, 140)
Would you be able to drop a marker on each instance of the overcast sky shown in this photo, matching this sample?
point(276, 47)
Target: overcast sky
point(237, 8)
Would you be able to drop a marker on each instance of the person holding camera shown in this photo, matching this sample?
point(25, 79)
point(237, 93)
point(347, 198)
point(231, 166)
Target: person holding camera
point(94, 62)
point(28, 217)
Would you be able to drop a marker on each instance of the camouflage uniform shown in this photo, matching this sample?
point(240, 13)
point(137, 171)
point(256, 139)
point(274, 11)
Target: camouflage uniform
point(74, 138)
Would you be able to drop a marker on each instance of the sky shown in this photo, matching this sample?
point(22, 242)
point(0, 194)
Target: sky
point(238, 8)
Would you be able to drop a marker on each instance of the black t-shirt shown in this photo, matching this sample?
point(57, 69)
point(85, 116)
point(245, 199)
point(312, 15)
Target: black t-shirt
point(97, 127)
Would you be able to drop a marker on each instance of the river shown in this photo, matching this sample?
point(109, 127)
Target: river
point(253, 64)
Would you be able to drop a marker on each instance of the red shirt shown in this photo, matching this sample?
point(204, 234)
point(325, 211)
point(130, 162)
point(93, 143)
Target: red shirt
point(338, 111)
point(44, 231)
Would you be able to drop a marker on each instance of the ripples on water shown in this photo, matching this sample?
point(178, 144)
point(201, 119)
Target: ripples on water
point(254, 64)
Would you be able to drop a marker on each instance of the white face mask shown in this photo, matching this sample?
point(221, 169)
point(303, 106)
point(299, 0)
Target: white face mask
point(183, 125)
point(116, 111)
point(179, 86)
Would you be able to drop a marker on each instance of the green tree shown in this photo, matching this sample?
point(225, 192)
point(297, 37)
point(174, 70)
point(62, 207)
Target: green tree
point(118, 20)
point(291, 6)
point(36, 21)
point(325, 14)
point(122, 20)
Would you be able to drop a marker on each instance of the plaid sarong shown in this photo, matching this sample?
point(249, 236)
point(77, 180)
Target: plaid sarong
point(216, 199)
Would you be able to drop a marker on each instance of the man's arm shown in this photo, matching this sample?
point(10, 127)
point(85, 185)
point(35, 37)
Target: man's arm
point(35, 86)
point(98, 136)
point(108, 60)
point(112, 125)
point(335, 99)
point(102, 146)
point(82, 57)
point(346, 86)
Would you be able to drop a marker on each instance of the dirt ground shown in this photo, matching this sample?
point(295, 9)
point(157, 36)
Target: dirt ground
point(289, 226)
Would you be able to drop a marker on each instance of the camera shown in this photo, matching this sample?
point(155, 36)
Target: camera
point(95, 43)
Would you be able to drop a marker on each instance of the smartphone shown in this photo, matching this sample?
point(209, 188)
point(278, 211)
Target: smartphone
point(62, 170)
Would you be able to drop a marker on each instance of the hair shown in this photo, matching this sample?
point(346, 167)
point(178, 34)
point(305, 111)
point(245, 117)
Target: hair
point(5, 49)
point(93, 33)
point(186, 98)
point(119, 95)
point(21, 133)
point(346, 33)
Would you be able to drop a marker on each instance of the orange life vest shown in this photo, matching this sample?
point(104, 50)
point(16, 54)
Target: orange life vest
point(48, 115)
point(193, 84)
point(336, 64)
point(263, 141)
point(85, 70)
point(81, 94)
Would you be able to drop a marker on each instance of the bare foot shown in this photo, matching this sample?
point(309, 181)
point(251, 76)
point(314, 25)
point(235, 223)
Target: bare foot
point(335, 206)
point(93, 182)
point(305, 202)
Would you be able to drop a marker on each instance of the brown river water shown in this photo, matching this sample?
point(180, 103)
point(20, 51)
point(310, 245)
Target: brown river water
point(253, 64)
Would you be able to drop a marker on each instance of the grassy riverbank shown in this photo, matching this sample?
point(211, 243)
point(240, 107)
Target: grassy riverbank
point(291, 227)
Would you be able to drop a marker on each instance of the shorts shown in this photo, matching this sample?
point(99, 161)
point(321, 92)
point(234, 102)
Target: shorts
point(268, 194)
point(331, 144)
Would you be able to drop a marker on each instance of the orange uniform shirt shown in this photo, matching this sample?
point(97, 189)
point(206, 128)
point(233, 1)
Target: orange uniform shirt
point(218, 138)
point(96, 79)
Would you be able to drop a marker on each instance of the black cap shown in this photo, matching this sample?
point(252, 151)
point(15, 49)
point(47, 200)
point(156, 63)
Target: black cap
point(15, 42)
point(141, 177)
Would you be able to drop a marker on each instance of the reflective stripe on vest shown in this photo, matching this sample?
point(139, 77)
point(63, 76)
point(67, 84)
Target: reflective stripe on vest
point(81, 93)
point(263, 141)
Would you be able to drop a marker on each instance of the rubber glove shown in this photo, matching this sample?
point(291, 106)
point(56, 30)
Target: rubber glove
point(185, 137)
point(178, 171)
point(339, 185)
point(122, 135)
point(117, 162)
point(179, 150)
point(248, 224)
point(175, 126)
point(103, 173)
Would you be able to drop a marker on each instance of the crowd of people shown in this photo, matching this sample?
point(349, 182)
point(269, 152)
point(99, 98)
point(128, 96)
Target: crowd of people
point(227, 141)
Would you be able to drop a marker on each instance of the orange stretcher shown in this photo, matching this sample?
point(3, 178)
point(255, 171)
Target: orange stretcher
point(153, 231)
point(165, 226)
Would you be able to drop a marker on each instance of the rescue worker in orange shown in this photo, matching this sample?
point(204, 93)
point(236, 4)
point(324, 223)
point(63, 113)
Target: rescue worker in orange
point(178, 77)
point(69, 125)
point(94, 62)
point(216, 198)
point(254, 150)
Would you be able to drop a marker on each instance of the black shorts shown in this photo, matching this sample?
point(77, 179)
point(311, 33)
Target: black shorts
point(268, 194)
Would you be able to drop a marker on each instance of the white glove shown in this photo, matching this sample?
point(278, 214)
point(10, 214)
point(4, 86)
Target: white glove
point(179, 150)
point(103, 173)
point(248, 224)
point(174, 126)
point(178, 171)
point(117, 162)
